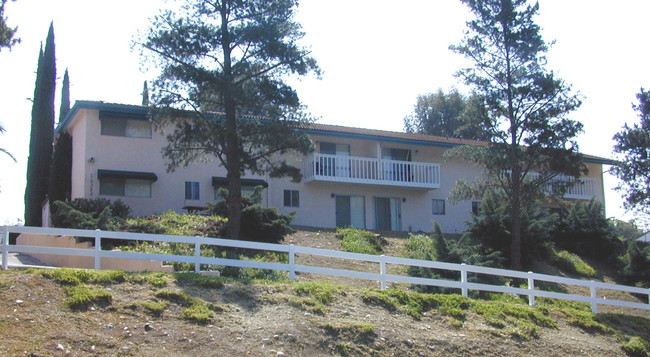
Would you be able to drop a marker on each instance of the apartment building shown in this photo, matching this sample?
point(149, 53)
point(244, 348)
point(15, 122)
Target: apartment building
point(364, 178)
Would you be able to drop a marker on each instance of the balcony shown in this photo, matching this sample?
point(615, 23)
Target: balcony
point(584, 189)
point(363, 170)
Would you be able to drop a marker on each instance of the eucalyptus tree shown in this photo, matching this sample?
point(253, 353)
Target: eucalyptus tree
point(532, 140)
point(227, 63)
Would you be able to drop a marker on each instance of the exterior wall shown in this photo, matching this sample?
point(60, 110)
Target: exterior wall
point(135, 154)
point(317, 204)
point(79, 157)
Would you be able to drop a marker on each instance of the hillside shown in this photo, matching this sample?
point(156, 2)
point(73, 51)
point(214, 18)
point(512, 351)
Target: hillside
point(108, 313)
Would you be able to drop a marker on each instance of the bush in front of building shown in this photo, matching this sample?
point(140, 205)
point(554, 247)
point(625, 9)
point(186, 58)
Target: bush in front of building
point(258, 224)
point(360, 241)
point(84, 213)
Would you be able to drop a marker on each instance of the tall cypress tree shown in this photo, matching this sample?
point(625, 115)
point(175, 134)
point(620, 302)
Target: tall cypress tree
point(65, 96)
point(145, 94)
point(61, 169)
point(40, 145)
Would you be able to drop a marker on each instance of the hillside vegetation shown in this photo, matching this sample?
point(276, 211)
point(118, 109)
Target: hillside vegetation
point(115, 313)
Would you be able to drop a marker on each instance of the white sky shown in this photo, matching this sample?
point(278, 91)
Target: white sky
point(377, 56)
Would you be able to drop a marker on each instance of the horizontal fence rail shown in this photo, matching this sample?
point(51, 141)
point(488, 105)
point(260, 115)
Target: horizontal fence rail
point(381, 276)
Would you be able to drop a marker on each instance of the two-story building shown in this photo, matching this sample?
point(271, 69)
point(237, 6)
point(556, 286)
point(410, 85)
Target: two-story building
point(357, 177)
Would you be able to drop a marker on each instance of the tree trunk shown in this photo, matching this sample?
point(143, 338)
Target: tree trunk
point(515, 214)
point(232, 149)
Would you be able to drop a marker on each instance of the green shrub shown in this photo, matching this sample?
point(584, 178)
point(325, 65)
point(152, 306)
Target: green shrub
point(258, 224)
point(489, 231)
point(636, 263)
point(584, 230)
point(359, 241)
point(451, 250)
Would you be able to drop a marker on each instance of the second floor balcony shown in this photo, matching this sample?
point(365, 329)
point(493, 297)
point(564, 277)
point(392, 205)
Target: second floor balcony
point(363, 170)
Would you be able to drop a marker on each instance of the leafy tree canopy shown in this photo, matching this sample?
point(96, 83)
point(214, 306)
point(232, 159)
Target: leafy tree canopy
point(532, 140)
point(633, 149)
point(449, 114)
point(7, 34)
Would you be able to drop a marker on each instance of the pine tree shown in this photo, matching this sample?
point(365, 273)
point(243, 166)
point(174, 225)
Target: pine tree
point(40, 145)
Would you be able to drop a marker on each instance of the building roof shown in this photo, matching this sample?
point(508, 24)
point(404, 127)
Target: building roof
point(316, 129)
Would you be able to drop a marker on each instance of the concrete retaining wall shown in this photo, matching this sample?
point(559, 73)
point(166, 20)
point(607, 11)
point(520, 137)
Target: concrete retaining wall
point(84, 262)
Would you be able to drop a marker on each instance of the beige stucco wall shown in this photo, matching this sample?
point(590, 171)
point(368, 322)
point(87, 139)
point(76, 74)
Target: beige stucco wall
point(317, 207)
point(72, 261)
point(137, 154)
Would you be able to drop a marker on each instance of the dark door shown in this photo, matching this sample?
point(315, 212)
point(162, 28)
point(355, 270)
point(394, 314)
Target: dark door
point(382, 213)
point(343, 216)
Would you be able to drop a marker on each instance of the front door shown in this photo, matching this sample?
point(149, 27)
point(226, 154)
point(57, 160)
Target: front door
point(350, 211)
point(388, 213)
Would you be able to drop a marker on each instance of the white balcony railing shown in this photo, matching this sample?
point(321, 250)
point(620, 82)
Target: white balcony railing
point(584, 189)
point(351, 169)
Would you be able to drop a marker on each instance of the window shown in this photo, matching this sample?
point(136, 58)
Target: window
point(191, 190)
point(127, 187)
point(476, 207)
point(438, 207)
point(291, 198)
point(130, 128)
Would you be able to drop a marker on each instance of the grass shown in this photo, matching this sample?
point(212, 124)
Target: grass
point(154, 308)
point(513, 318)
point(75, 277)
point(359, 241)
point(313, 296)
point(82, 297)
point(194, 310)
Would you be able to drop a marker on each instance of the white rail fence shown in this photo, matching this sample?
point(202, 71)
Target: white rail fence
point(464, 285)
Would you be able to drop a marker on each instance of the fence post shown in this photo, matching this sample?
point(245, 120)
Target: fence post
point(531, 288)
point(463, 278)
point(98, 249)
point(197, 256)
point(594, 305)
point(382, 271)
point(5, 247)
point(292, 263)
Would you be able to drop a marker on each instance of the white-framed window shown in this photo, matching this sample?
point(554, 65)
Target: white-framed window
point(291, 198)
point(192, 190)
point(438, 206)
point(130, 128)
point(127, 187)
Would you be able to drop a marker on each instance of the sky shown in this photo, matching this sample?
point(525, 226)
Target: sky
point(377, 56)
